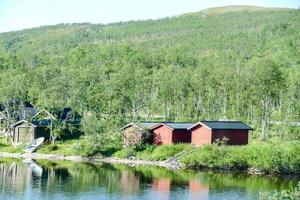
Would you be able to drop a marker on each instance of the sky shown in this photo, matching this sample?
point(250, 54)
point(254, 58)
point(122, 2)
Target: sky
point(20, 14)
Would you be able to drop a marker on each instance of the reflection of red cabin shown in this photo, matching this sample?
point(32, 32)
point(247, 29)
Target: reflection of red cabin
point(197, 190)
point(170, 133)
point(162, 184)
point(207, 132)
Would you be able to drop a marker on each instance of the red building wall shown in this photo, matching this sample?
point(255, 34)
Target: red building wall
point(201, 135)
point(181, 135)
point(162, 135)
point(165, 135)
point(236, 137)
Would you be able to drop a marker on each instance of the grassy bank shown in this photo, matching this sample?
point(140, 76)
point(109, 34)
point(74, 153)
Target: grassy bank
point(265, 157)
point(259, 157)
point(150, 152)
point(67, 148)
point(6, 146)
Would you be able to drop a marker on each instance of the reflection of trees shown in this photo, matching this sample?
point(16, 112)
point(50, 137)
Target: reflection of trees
point(73, 178)
point(249, 182)
point(14, 177)
point(129, 182)
point(77, 177)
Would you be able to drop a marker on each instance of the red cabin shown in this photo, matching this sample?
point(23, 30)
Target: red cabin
point(207, 132)
point(171, 133)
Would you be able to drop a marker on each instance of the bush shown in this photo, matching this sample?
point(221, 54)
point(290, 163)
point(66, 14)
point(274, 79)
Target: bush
point(104, 144)
point(283, 195)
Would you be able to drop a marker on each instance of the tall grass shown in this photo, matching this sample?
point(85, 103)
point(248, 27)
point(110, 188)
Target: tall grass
point(265, 157)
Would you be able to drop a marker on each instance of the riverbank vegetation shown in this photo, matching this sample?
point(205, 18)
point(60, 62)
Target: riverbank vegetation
point(293, 194)
point(257, 157)
point(271, 157)
point(150, 152)
point(6, 146)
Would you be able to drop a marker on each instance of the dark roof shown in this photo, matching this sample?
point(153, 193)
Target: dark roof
point(175, 125)
point(42, 122)
point(224, 125)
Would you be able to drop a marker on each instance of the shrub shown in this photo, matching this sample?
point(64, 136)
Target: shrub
point(283, 195)
point(104, 144)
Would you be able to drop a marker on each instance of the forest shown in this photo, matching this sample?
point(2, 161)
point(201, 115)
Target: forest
point(236, 65)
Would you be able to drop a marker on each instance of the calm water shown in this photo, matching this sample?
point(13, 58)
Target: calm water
point(32, 180)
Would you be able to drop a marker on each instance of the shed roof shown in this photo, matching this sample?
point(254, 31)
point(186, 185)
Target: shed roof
point(141, 125)
point(223, 125)
point(175, 125)
point(21, 122)
point(42, 122)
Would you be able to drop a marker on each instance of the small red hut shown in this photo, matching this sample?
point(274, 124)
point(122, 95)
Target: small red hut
point(171, 132)
point(207, 132)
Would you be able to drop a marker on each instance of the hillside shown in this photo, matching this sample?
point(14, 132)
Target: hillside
point(233, 62)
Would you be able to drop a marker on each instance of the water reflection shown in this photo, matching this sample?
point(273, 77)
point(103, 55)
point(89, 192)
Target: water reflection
point(67, 180)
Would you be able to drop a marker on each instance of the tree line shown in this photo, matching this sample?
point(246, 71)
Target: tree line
point(237, 65)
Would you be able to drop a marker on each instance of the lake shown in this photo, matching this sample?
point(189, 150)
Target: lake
point(27, 179)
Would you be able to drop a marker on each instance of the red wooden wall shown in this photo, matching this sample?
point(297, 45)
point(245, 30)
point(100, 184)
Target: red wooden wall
point(201, 135)
point(236, 137)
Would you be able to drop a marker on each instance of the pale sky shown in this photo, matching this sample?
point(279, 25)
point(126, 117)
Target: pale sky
point(20, 14)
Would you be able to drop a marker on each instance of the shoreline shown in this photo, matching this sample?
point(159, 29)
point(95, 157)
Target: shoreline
point(130, 162)
point(93, 160)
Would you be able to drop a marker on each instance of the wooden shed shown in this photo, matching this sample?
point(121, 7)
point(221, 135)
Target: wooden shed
point(24, 132)
point(207, 132)
point(134, 133)
point(171, 133)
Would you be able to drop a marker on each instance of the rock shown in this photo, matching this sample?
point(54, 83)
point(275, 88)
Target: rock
point(255, 171)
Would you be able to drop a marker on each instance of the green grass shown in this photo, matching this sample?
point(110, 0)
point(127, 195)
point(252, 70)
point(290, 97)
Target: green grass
point(150, 152)
point(60, 147)
point(67, 148)
point(268, 157)
point(6, 146)
point(125, 153)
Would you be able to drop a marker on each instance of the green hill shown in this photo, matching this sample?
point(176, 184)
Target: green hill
point(235, 62)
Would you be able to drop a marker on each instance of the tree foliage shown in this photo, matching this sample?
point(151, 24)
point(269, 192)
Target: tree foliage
point(233, 65)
